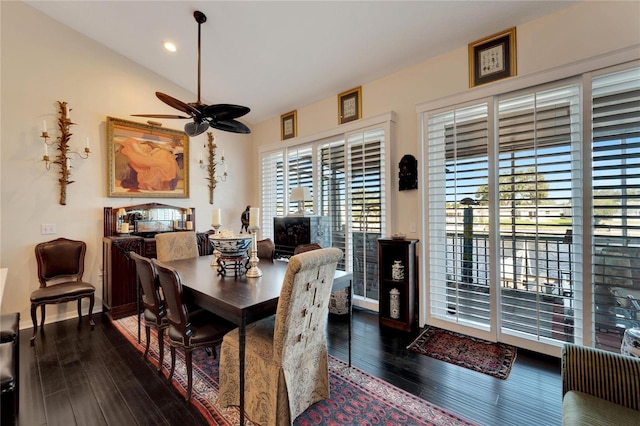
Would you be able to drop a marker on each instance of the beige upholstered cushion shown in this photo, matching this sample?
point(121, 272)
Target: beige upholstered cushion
point(176, 246)
point(286, 354)
point(580, 409)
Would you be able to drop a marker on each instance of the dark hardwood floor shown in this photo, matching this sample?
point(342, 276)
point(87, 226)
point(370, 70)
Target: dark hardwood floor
point(75, 376)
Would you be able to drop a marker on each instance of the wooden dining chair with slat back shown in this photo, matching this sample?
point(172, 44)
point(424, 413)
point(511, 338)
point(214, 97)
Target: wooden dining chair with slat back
point(188, 330)
point(154, 315)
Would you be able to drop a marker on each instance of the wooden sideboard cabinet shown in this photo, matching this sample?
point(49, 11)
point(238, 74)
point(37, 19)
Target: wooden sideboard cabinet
point(398, 283)
point(120, 290)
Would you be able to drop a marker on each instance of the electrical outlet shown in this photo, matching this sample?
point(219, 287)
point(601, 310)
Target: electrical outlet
point(47, 228)
point(412, 227)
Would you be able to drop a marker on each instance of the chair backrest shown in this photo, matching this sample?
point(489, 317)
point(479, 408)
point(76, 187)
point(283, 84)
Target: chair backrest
point(177, 312)
point(306, 247)
point(303, 305)
point(266, 249)
point(176, 245)
point(148, 279)
point(60, 259)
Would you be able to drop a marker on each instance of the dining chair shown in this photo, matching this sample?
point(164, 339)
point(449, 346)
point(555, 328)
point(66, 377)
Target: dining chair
point(154, 314)
point(188, 330)
point(176, 245)
point(266, 249)
point(60, 270)
point(339, 302)
point(286, 364)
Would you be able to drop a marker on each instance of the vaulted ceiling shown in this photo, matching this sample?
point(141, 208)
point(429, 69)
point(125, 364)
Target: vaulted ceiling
point(276, 56)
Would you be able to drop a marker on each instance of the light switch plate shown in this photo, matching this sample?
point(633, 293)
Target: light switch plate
point(48, 228)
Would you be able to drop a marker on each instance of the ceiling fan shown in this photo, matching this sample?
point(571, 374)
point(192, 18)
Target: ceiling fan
point(218, 116)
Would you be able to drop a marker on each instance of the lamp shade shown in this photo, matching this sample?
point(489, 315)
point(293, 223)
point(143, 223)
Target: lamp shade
point(122, 212)
point(300, 193)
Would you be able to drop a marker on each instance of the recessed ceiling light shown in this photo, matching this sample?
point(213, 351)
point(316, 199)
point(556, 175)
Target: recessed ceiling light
point(170, 46)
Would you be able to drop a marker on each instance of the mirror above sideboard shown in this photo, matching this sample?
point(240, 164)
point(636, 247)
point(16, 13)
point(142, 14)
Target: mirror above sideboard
point(147, 219)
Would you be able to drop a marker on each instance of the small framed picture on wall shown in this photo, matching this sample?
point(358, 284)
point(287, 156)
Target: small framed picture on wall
point(289, 125)
point(492, 58)
point(350, 105)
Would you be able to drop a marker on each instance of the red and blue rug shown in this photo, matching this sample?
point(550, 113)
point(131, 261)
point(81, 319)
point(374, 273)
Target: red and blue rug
point(357, 398)
point(494, 359)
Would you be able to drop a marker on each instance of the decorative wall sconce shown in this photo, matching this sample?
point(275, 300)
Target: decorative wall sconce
point(62, 144)
point(210, 167)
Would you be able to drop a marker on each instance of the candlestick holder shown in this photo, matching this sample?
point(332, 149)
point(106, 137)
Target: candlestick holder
point(211, 166)
point(254, 271)
point(62, 144)
point(216, 228)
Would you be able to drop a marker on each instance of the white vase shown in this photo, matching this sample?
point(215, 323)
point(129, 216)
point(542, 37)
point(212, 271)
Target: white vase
point(394, 304)
point(397, 271)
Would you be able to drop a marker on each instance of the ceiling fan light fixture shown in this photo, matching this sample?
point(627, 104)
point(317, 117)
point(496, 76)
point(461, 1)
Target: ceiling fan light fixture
point(170, 46)
point(218, 116)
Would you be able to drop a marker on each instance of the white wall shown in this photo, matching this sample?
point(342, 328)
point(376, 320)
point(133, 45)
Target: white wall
point(583, 31)
point(43, 62)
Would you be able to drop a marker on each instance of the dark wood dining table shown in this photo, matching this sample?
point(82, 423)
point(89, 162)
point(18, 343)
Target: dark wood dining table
point(240, 299)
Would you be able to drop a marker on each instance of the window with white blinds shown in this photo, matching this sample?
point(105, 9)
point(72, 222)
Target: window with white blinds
point(348, 174)
point(272, 171)
point(458, 215)
point(616, 204)
point(521, 174)
point(539, 146)
point(300, 173)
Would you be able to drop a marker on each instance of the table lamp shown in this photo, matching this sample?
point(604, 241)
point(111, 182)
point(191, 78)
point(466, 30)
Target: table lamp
point(300, 194)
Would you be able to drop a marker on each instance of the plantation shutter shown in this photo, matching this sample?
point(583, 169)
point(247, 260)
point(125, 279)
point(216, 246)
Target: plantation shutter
point(272, 169)
point(458, 214)
point(616, 202)
point(539, 197)
point(366, 208)
point(300, 173)
point(333, 191)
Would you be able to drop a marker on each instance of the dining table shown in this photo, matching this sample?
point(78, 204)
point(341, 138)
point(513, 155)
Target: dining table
point(241, 299)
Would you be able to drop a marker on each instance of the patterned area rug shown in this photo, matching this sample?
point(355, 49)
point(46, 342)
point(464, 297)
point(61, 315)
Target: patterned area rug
point(356, 397)
point(494, 359)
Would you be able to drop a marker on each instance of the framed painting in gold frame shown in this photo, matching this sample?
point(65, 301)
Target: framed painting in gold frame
point(350, 105)
point(146, 161)
point(492, 58)
point(289, 125)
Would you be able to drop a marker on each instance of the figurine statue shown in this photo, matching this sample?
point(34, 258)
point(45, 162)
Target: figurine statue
point(244, 218)
point(408, 173)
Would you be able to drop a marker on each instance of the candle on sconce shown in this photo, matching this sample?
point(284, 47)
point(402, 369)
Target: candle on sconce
point(222, 156)
point(215, 221)
point(46, 149)
point(87, 143)
point(44, 125)
point(225, 168)
point(254, 217)
point(68, 163)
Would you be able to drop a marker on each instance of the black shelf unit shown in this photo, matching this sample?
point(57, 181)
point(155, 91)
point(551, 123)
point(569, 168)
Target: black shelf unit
point(389, 251)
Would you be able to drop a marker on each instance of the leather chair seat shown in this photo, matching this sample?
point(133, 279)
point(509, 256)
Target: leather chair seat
point(150, 317)
point(205, 327)
point(63, 290)
point(7, 367)
point(9, 327)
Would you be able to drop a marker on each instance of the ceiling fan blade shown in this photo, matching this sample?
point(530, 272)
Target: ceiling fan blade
point(159, 116)
point(195, 128)
point(225, 111)
point(232, 126)
point(178, 104)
